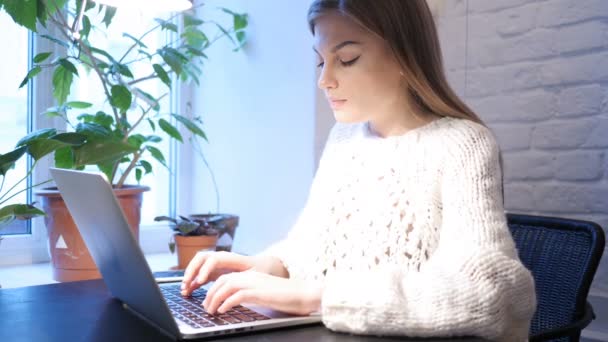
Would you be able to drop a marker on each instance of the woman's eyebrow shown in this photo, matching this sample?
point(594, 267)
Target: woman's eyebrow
point(341, 45)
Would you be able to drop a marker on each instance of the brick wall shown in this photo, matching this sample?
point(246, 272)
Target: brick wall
point(537, 73)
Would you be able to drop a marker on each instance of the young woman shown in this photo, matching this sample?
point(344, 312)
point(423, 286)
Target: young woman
point(404, 230)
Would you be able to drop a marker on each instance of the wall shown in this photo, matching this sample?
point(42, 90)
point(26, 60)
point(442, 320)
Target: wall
point(537, 73)
point(258, 110)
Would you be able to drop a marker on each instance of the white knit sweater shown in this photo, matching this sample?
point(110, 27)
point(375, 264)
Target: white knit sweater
point(409, 235)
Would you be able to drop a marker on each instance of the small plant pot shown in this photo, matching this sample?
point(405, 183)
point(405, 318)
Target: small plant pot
point(188, 246)
point(225, 225)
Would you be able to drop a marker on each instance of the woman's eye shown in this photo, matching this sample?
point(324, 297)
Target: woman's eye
point(320, 65)
point(351, 62)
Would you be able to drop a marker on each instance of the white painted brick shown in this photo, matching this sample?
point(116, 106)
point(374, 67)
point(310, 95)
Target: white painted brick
point(456, 81)
point(512, 137)
point(580, 100)
point(496, 80)
point(519, 197)
point(479, 6)
point(452, 36)
point(578, 198)
point(583, 36)
point(585, 68)
point(517, 20)
point(605, 100)
point(535, 105)
point(529, 165)
point(598, 135)
point(605, 169)
point(560, 12)
point(561, 135)
point(530, 46)
point(454, 8)
point(576, 166)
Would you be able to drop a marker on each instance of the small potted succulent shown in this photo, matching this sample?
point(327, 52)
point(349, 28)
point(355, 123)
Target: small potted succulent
point(190, 237)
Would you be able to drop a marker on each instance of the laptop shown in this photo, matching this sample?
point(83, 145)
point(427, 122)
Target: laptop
point(104, 229)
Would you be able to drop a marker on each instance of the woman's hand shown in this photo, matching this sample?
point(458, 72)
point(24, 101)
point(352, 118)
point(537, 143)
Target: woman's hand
point(286, 295)
point(208, 266)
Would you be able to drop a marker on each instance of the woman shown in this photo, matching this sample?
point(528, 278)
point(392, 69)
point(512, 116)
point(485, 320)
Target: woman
point(404, 231)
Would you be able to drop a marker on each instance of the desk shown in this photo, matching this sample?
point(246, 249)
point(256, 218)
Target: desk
point(84, 311)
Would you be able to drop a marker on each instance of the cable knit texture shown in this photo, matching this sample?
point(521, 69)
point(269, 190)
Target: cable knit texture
point(409, 236)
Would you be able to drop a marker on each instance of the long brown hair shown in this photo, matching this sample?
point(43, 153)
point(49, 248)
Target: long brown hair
point(409, 29)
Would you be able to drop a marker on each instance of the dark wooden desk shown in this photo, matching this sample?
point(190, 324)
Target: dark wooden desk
point(84, 311)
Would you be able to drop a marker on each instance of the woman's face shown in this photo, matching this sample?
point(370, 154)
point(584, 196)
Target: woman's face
point(359, 73)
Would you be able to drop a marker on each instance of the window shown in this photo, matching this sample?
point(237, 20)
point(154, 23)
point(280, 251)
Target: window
point(87, 87)
point(14, 110)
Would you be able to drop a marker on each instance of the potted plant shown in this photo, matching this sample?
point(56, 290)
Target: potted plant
point(108, 135)
point(190, 237)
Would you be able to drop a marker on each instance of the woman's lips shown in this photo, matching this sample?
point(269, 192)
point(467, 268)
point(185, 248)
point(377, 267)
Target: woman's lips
point(336, 104)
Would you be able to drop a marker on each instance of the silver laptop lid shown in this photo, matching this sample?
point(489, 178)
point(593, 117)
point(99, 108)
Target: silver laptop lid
point(104, 229)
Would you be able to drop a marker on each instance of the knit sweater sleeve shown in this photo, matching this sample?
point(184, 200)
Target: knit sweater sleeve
point(294, 251)
point(473, 284)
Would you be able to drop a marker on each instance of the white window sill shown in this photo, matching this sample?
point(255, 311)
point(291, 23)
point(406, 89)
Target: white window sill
point(42, 273)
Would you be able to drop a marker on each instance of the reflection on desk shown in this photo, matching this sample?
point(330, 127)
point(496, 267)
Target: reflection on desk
point(84, 311)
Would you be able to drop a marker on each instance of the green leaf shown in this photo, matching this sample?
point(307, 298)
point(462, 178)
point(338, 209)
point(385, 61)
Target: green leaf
point(93, 131)
point(41, 57)
point(68, 65)
point(102, 151)
point(78, 104)
point(147, 166)
point(190, 20)
point(166, 25)
point(42, 147)
point(46, 8)
point(138, 174)
point(122, 69)
point(55, 40)
point(173, 58)
point(109, 15)
point(137, 41)
point(145, 53)
point(23, 12)
point(162, 74)
point(136, 140)
point(190, 125)
point(195, 37)
point(44, 133)
point(7, 161)
point(62, 82)
point(86, 26)
point(170, 129)
point(32, 73)
point(121, 97)
point(107, 169)
point(103, 53)
point(103, 119)
point(64, 158)
point(153, 138)
point(158, 155)
point(18, 212)
point(152, 124)
point(70, 138)
point(149, 99)
point(196, 52)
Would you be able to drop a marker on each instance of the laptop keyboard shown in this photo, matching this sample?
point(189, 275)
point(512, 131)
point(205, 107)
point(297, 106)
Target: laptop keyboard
point(190, 310)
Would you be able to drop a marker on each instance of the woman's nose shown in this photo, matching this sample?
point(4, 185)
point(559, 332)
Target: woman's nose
point(327, 79)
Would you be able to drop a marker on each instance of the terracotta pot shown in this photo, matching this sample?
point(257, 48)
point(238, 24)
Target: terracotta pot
point(188, 246)
point(69, 254)
point(226, 226)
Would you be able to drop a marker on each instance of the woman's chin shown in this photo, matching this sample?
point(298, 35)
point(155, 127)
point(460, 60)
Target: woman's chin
point(342, 116)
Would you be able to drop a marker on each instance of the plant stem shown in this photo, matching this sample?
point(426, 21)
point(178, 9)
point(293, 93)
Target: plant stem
point(133, 163)
point(29, 187)
point(21, 180)
point(77, 20)
point(153, 76)
point(198, 149)
point(143, 115)
point(2, 184)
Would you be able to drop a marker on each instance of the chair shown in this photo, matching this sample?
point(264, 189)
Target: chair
point(563, 255)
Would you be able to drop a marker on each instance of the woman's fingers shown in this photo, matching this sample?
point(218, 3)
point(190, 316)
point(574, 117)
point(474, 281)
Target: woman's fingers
point(209, 266)
point(193, 268)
